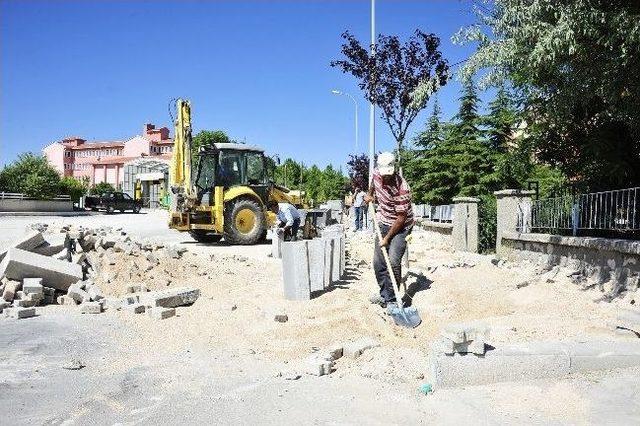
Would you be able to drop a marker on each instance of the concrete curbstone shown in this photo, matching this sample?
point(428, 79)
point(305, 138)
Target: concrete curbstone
point(356, 348)
point(19, 313)
point(19, 264)
point(316, 250)
point(91, 308)
point(170, 298)
point(160, 313)
point(295, 270)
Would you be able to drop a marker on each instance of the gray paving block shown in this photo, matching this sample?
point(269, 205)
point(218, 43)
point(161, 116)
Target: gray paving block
point(20, 312)
point(10, 290)
point(161, 313)
point(276, 245)
point(316, 250)
point(343, 255)
point(295, 270)
point(328, 261)
point(170, 298)
point(136, 308)
point(534, 360)
point(336, 261)
point(77, 294)
point(91, 308)
point(28, 242)
point(19, 264)
point(32, 285)
point(66, 300)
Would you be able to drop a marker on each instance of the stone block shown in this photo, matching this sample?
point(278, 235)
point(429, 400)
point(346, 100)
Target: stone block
point(10, 289)
point(317, 366)
point(277, 239)
point(136, 288)
point(333, 353)
point(91, 308)
point(355, 349)
point(4, 304)
point(78, 294)
point(19, 313)
point(136, 308)
point(27, 242)
point(629, 319)
point(130, 300)
point(295, 270)
point(336, 258)
point(281, 318)
point(316, 250)
point(170, 298)
point(49, 295)
point(111, 303)
point(66, 300)
point(161, 313)
point(32, 285)
point(94, 293)
point(19, 264)
point(24, 303)
point(328, 260)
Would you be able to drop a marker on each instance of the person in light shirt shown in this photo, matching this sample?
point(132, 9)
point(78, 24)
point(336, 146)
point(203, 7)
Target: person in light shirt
point(359, 206)
point(288, 219)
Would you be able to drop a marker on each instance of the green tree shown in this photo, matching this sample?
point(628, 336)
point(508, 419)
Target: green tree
point(577, 63)
point(289, 174)
point(32, 175)
point(101, 188)
point(206, 138)
point(435, 129)
point(73, 187)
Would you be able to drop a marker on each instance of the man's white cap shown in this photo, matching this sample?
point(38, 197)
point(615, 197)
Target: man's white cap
point(386, 163)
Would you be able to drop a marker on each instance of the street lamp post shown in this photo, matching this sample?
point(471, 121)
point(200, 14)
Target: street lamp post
point(372, 107)
point(338, 92)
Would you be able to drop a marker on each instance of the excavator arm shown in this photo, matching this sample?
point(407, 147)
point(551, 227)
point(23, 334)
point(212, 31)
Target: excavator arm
point(180, 172)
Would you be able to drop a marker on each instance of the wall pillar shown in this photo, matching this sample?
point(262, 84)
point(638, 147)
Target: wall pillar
point(465, 224)
point(514, 206)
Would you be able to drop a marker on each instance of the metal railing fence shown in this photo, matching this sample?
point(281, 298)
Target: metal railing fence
point(596, 213)
point(20, 196)
point(442, 213)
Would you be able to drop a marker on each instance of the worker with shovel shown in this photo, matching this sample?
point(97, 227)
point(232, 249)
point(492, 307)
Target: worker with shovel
point(394, 221)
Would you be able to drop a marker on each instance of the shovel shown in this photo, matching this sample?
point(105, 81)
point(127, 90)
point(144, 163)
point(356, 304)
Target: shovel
point(404, 317)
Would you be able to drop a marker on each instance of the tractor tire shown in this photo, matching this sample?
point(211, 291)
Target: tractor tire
point(204, 236)
point(244, 221)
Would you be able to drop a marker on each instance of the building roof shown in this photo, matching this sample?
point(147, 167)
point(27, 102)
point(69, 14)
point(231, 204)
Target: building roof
point(98, 145)
point(163, 142)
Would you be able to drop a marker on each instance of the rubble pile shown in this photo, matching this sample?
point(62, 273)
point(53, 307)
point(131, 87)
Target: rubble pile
point(73, 265)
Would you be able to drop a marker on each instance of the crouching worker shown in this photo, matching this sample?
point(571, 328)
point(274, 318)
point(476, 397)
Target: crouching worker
point(395, 218)
point(288, 219)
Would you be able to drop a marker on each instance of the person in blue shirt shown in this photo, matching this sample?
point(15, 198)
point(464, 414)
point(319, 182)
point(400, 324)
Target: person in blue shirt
point(288, 219)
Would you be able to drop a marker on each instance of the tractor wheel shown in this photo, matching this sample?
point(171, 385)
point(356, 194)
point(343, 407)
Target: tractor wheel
point(244, 221)
point(202, 236)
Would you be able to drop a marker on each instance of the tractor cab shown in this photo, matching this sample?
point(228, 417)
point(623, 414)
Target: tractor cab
point(231, 165)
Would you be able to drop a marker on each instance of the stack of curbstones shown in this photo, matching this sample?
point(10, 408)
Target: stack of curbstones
point(310, 266)
point(61, 265)
point(463, 339)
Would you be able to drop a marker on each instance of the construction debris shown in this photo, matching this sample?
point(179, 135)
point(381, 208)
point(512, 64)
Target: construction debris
point(71, 266)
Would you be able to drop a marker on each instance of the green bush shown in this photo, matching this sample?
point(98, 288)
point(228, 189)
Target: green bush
point(101, 188)
point(488, 223)
point(73, 187)
point(32, 175)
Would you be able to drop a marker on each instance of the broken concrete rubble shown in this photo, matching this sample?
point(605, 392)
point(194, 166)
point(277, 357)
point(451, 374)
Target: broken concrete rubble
point(161, 313)
point(19, 264)
point(170, 298)
point(19, 312)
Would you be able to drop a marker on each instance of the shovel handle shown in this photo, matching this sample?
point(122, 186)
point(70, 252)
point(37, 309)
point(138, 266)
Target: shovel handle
point(385, 254)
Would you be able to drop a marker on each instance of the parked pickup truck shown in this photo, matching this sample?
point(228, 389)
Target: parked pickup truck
point(112, 201)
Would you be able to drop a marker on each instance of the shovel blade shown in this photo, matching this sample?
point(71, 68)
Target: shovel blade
point(406, 317)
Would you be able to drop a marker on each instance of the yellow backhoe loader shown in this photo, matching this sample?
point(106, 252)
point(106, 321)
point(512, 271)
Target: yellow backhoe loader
point(228, 193)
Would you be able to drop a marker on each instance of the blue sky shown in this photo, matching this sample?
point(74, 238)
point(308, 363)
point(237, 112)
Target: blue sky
point(258, 70)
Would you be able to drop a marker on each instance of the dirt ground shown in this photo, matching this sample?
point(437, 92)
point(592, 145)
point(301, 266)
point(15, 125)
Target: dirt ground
point(229, 334)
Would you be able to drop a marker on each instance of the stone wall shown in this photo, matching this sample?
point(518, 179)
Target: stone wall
point(611, 264)
point(22, 205)
point(439, 235)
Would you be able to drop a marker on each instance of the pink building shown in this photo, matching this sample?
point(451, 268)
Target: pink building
point(104, 161)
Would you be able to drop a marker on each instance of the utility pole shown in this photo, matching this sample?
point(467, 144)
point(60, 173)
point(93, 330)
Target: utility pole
point(372, 107)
